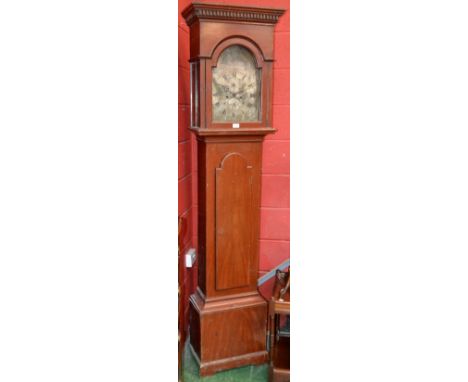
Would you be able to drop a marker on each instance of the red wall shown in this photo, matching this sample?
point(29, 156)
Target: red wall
point(274, 235)
point(186, 174)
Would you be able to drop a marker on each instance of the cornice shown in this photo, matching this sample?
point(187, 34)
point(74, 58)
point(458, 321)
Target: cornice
point(211, 11)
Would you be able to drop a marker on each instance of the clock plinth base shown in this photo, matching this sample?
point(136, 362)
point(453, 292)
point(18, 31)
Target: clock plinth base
point(228, 333)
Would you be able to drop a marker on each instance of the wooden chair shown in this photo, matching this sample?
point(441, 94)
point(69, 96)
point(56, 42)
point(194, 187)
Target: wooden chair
point(279, 307)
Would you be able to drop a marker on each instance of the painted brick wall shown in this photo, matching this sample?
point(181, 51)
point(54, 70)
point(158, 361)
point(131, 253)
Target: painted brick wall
point(186, 175)
point(274, 235)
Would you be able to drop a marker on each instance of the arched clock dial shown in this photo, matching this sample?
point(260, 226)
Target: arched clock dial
point(236, 86)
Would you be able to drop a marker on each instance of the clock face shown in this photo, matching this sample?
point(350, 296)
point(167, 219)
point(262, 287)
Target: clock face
point(236, 87)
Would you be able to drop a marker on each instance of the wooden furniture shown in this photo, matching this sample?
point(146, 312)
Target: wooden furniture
point(180, 346)
point(279, 307)
point(231, 59)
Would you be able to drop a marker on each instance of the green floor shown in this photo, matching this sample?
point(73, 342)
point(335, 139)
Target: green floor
point(241, 374)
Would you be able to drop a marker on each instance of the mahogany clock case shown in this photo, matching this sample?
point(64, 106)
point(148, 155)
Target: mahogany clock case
point(228, 317)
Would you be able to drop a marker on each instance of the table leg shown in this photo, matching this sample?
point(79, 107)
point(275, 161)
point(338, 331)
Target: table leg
point(272, 320)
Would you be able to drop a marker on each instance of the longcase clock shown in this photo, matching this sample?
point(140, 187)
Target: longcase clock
point(231, 75)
